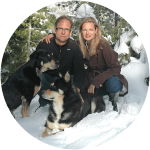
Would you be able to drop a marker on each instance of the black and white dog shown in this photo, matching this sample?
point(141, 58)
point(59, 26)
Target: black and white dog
point(68, 106)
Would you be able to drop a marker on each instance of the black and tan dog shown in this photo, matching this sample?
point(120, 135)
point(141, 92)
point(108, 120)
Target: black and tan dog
point(68, 106)
point(23, 85)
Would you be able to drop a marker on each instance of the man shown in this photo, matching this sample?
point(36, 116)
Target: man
point(67, 52)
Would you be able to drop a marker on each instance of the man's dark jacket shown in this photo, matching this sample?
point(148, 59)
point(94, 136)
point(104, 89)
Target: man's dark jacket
point(69, 56)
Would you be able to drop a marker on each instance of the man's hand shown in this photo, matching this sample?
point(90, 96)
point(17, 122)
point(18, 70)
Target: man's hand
point(47, 38)
point(91, 89)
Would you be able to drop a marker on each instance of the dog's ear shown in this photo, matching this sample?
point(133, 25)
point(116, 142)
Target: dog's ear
point(60, 75)
point(67, 77)
point(42, 63)
point(60, 91)
point(74, 88)
point(52, 84)
point(38, 72)
point(34, 55)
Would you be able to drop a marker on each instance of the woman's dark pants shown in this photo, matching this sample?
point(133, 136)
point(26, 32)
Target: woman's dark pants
point(112, 85)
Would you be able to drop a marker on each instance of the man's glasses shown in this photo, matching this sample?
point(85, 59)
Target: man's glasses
point(61, 29)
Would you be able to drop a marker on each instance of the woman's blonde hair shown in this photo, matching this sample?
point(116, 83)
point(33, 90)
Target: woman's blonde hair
point(92, 47)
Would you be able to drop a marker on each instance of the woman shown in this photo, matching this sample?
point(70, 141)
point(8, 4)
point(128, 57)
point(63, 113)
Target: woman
point(103, 68)
point(103, 73)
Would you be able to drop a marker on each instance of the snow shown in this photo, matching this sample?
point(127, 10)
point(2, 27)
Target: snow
point(136, 44)
point(124, 38)
point(84, 11)
point(42, 21)
point(56, 15)
point(99, 128)
point(3, 70)
point(43, 32)
point(109, 38)
point(123, 49)
point(60, 10)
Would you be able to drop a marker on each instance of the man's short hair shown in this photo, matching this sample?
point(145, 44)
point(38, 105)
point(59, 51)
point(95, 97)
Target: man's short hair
point(64, 17)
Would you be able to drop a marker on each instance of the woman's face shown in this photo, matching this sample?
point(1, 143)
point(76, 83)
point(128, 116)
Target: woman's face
point(88, 31)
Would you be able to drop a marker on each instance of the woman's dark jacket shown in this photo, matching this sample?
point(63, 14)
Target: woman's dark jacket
point(102, 66)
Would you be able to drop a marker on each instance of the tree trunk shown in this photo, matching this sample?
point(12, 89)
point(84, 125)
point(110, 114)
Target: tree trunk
point(97, 14)
point(120, 29)
point(29, 36)
point(116, 19)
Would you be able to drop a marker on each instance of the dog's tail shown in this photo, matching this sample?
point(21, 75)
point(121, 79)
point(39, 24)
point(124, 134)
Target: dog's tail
point(97, 104)
point(93, 105)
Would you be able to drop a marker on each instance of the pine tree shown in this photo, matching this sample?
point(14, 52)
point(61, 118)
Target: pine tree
point(25, 39)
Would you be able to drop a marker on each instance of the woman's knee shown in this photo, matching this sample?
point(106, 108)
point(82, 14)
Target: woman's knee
point(113, 85)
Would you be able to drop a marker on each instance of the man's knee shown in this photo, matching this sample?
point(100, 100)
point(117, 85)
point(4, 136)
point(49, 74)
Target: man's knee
point(45, 82)
point(45, 78)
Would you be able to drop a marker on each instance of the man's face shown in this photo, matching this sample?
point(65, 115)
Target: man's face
point(63, 31)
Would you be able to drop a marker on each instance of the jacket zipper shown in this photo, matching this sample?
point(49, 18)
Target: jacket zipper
point(59, 53)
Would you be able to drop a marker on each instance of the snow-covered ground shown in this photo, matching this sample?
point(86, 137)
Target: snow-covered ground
point(97, 131)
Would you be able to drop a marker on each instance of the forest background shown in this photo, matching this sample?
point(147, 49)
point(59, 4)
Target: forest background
point(28, 34)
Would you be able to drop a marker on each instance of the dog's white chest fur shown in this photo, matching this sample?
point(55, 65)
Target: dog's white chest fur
point(58, 107)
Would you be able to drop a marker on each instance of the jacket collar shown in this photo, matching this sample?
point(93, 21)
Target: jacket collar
point(62, 46)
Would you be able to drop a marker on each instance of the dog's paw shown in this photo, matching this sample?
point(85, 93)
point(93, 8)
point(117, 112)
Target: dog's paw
point(47, 132)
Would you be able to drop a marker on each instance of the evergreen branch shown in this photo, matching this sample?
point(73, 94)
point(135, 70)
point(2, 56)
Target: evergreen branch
point(33, 43)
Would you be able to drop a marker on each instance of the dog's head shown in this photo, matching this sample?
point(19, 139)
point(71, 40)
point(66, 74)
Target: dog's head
point(44, 60)
point(60, 87)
